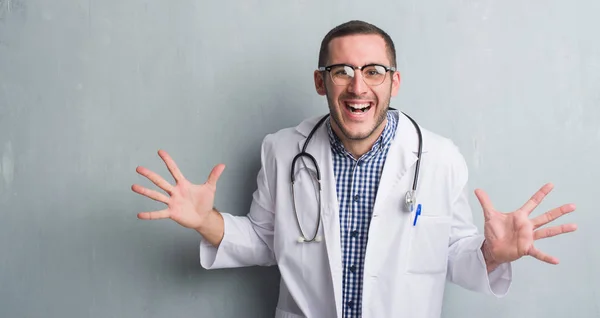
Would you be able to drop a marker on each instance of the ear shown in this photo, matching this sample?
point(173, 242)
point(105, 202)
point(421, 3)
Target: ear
point(320, 83)
point(395, 83)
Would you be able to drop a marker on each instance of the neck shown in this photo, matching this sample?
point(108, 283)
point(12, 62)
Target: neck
point(358, 147)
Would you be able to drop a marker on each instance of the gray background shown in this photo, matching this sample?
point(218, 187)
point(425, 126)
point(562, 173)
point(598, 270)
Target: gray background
point(91, 89)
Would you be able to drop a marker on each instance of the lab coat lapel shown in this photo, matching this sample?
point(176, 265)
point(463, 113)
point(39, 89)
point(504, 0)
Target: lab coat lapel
point(319, 147)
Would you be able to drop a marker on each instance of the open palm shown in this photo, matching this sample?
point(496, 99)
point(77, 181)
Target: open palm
point(510, 236)
point(187, 204)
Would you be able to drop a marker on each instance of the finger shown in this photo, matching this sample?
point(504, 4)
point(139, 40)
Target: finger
point(156, 215)
point(552, 215)
point(543, 256)
point(155, 195)
point(537, 198)
point(485, 202)
point(214, 175)
point(171, 165)
point(156, 179)
point(553, 231)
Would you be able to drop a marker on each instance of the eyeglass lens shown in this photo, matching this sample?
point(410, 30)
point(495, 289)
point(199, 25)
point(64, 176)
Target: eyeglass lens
point(372, 74)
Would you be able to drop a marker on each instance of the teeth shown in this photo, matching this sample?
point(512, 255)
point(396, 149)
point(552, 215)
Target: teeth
point(358, 106)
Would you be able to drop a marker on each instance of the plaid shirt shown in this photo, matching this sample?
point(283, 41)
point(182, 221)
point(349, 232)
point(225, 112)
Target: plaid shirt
point(356, 185)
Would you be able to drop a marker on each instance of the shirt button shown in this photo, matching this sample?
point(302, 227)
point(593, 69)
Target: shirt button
point(354, 233)
point(350, 303)
point(353, 269)
point(356, 197)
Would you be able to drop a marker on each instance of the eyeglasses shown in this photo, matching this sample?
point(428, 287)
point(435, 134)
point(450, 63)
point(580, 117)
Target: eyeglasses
point(342, 74)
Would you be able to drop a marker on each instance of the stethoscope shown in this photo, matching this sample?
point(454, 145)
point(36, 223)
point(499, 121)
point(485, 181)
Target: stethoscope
point(410, 198)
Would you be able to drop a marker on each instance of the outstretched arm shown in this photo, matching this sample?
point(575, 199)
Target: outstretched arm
point(227, 240)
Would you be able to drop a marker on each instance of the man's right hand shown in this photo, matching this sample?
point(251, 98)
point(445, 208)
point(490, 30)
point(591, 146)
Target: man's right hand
point(188, 204)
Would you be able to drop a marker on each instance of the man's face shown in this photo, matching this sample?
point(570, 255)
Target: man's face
point(358, 110)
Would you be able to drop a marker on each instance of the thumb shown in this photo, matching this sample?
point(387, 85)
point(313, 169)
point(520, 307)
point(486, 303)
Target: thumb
point(214, 175)
point(485, 202)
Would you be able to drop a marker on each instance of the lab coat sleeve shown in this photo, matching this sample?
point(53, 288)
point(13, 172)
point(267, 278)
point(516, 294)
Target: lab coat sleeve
point(466, 264)
point(247, 240)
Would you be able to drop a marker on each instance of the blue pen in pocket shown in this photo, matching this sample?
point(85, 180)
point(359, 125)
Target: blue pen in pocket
point(417, 214)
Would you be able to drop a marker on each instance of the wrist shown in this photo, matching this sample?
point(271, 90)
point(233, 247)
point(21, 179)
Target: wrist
point(488, 256)
point(208, 221)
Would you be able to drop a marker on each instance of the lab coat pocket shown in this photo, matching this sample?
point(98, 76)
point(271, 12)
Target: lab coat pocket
point(428, 250)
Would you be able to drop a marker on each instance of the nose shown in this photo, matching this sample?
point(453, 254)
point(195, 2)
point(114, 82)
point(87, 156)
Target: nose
point(357, 84)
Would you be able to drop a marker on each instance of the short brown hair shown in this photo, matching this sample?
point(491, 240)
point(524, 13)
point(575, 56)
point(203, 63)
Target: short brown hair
point(351, 28)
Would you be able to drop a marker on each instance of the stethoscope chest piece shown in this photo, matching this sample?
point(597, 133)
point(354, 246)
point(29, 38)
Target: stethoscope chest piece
point(410, 200)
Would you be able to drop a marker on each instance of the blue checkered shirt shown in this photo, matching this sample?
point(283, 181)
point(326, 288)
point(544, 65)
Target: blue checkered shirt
point(356, 185)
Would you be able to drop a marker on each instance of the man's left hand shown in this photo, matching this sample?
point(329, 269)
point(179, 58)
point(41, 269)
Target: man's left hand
point(510, 236)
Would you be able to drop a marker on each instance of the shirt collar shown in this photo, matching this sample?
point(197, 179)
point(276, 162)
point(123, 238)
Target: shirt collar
point(386, 137)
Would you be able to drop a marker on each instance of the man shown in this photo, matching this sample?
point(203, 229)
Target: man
point(348, 247)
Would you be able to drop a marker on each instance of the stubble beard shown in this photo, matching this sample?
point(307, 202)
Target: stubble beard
point(382, 110)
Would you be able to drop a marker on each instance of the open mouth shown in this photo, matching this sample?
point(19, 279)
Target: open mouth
point(358, 108)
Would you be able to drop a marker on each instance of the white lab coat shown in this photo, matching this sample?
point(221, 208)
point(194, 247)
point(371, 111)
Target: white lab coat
point(405, 267)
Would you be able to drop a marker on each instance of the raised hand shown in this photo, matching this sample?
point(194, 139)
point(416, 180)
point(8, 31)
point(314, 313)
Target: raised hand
point(187, 204)
point(510, 236)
